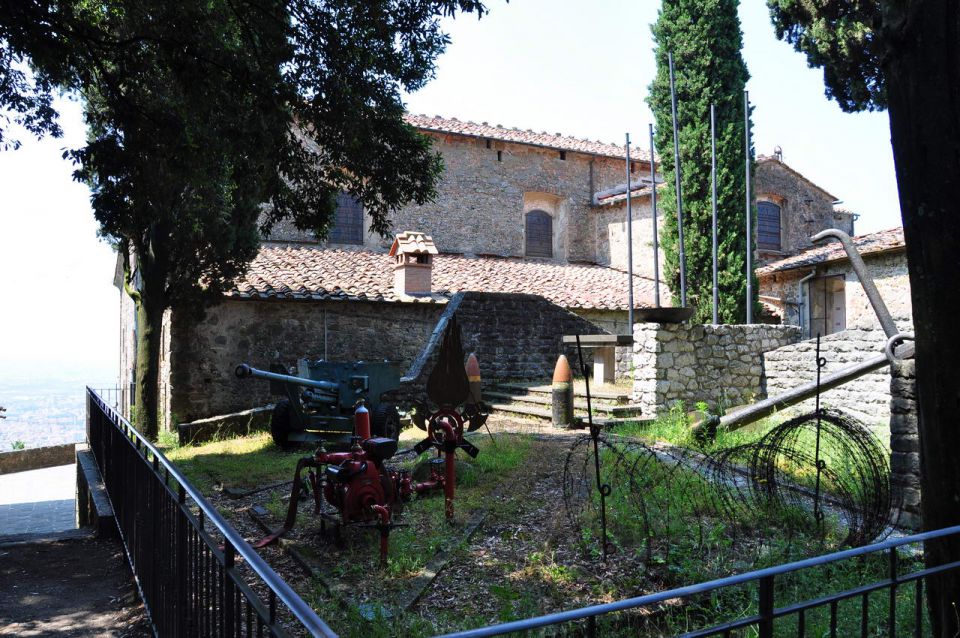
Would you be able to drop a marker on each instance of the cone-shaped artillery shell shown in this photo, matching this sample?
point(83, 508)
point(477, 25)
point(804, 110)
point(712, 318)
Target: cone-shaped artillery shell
point(562, 394)
point(473, 376)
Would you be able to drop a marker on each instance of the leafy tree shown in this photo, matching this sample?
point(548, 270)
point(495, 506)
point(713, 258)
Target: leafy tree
point(204, 118)
point(705, 38)
point(904, 56)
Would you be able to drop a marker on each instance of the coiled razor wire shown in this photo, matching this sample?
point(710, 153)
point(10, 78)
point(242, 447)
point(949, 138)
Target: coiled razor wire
point(663, 496)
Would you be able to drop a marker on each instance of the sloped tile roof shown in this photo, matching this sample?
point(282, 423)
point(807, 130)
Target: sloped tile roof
point(291, 271)
point(547, 140)
point(872, 243)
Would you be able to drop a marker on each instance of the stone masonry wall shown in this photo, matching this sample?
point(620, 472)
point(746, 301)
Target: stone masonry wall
point(866, 398)
point(479, 207)
point(805, 209)
point(697, 362)
point(203, 356)
point(905, 442)
point(514, 336)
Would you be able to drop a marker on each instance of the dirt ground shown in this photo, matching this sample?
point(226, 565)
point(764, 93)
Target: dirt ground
point(69, 588)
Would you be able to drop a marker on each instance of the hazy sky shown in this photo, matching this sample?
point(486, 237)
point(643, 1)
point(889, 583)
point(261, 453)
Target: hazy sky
point(581, 68)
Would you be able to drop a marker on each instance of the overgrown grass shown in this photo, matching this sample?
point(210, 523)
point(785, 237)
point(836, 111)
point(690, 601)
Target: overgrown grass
point(248, 461)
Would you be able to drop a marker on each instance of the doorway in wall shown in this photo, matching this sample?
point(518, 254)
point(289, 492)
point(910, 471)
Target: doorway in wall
point(828, 305)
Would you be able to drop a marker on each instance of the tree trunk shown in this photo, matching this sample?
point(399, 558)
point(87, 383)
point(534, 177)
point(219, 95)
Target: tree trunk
point(923, 75)
point(149, 327)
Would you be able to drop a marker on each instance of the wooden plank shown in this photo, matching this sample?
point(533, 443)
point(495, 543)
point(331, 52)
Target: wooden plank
point(599, 340)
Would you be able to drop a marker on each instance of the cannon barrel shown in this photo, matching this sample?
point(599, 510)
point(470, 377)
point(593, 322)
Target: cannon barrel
point(245, 371)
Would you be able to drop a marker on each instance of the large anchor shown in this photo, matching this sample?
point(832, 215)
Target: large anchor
point(449, 386)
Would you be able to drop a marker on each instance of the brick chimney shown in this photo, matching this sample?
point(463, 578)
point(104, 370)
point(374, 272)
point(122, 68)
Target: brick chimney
point(414, 263)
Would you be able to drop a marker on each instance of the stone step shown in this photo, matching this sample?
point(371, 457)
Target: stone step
point(520, 388)
point(546, 400)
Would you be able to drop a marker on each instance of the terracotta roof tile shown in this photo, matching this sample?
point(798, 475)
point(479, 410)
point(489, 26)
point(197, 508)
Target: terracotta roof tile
point(291, 271)
point(544, 139)
point(891, 239)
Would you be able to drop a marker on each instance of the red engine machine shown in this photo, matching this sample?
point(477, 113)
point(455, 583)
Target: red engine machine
point(358, 483)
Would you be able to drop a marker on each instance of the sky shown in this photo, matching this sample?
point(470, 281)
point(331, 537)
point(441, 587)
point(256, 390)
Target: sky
point(580, 68)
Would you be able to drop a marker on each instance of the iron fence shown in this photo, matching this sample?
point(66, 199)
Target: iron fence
point(196, 574)
point(892, 605)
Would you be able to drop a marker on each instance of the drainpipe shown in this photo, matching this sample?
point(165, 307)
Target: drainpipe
point(804, 298)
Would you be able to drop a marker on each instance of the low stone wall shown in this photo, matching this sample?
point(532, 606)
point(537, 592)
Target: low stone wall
point(227, 425)
point(905, 442)
point(695, 362)
point(866, 398)
point(36, 458)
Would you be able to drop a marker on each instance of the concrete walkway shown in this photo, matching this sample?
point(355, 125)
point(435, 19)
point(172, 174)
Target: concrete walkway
point(37, 503)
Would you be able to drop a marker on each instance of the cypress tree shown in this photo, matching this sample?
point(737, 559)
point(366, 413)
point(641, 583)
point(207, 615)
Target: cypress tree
point(705, 38)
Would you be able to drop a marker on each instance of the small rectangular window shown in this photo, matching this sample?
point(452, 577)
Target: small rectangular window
point(768, 226)
point(348, 224)
point(499, 156)
point(563, 155)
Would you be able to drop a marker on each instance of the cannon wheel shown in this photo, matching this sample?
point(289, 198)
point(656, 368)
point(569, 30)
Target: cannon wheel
point(385, 421)
point(280, 425)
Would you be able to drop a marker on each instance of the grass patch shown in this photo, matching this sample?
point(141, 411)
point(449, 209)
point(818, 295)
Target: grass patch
point(238, 462)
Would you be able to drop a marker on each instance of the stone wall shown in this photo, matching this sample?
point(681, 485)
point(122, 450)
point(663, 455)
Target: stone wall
point(888, 271)
point(514, 336)
point(867, 397)
point(905, 443)
point(696, 362)
point(484, 192)
point(203, 356)
point(805, 209)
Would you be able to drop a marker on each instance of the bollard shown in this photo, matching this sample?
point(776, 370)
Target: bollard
point(562, 394)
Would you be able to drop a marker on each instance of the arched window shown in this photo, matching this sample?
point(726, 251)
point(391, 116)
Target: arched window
point(768, 226)
point(348, 225)
point(539, 231)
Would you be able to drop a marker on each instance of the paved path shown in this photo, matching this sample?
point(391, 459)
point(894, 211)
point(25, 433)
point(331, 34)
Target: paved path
point(70, 589)
point(37, 502)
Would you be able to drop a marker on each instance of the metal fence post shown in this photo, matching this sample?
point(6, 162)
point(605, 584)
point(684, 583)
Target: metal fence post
point(766, 607)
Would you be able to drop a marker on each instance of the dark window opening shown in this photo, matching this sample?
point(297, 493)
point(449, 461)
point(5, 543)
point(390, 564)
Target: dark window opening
point(348, 224)
point(828, 305)
point(563, 155)
point(423, 259)
point(768, 226)
point(539, 231)
point(633, 167)
point(499, 156)
point(488, 144)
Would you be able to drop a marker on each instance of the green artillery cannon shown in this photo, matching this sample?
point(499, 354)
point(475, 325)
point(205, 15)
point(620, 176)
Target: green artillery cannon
point(321, 399)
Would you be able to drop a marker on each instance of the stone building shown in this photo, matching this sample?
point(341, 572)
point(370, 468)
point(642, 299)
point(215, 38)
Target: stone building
point(818, 291)
point(517, 213)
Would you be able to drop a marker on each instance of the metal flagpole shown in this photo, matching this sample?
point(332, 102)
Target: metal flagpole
point(713, 188)
point(676, 170)
point(746, 151)
point(653, 206)
point(629, 244)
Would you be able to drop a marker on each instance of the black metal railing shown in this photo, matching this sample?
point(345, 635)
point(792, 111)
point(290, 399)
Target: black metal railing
point(890, 614)
point(196, 574)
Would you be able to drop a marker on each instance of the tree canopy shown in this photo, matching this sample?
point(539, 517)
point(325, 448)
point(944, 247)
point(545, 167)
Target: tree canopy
point(905, 57)
point(705, 38)
point(209, 122)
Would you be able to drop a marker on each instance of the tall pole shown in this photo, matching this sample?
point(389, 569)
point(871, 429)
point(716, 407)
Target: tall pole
point(713, 193)
point(746, 153)
point(653, 206)
point(676, 170)
point(629, 243)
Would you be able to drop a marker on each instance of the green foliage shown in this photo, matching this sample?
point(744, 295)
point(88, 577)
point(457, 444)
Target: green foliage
point(18, 445)
point(210, 122)
point(705, 38)
point(844, 38)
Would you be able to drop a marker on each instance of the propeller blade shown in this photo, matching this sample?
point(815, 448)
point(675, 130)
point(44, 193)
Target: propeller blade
point(469, 448)
point(423, 445)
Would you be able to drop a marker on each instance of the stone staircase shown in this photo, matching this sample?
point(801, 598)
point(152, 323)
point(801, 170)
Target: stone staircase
point(534, 401)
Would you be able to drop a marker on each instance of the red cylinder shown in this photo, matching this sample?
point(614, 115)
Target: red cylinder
point(361, 422)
